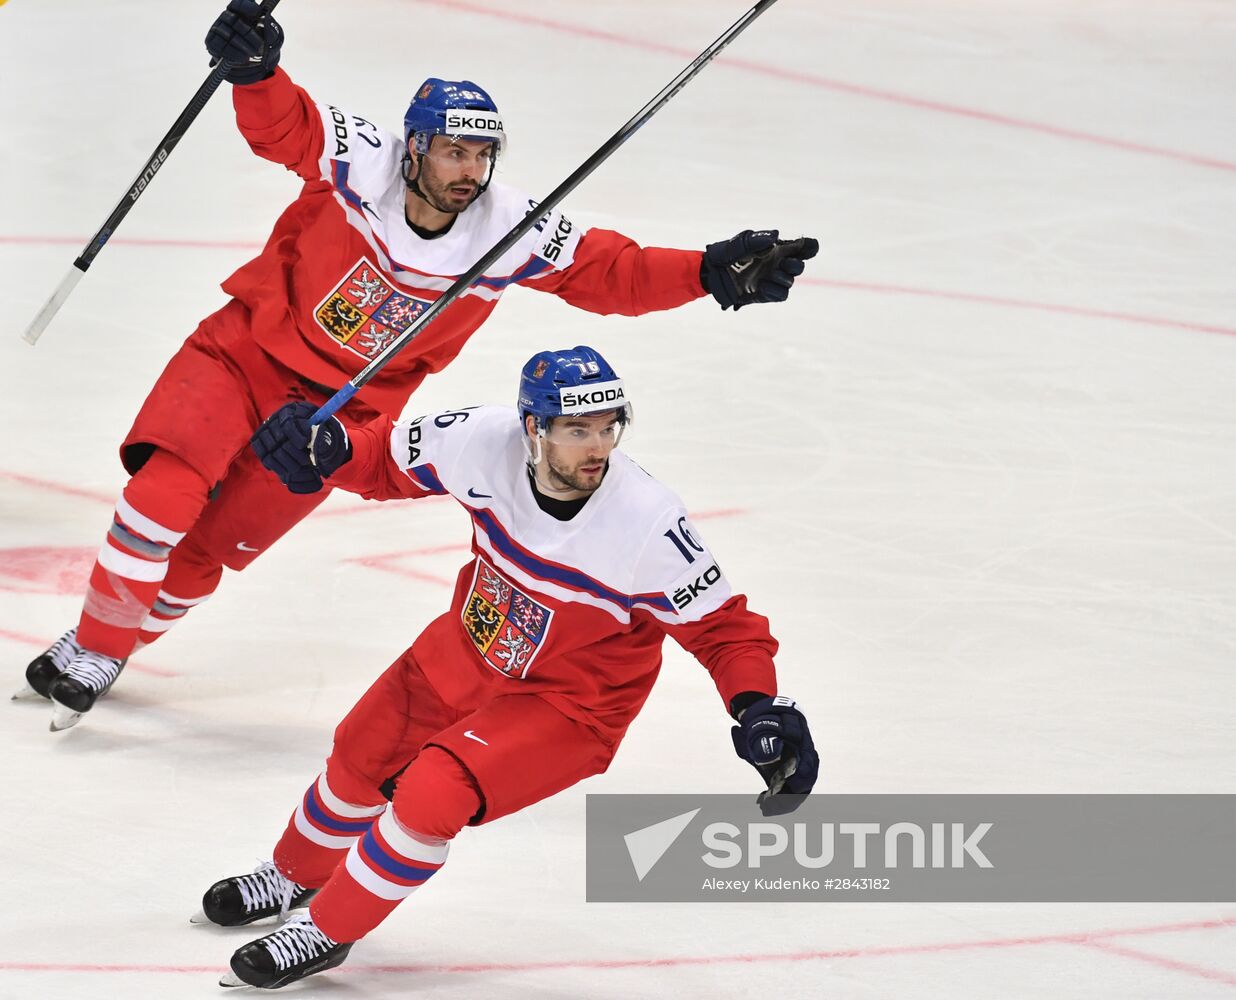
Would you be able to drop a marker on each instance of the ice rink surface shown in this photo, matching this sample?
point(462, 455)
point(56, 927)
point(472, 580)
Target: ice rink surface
point(980, 472)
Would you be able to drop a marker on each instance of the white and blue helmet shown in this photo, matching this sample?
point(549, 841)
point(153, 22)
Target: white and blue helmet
point(456, 108)
point(570, 383)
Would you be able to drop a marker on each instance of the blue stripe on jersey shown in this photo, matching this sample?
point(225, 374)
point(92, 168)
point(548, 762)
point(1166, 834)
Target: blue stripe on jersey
point(571, 578)
point(376, 853)
point(426, 477)
point(533, 266)
point(314, 808)
point(339, 172)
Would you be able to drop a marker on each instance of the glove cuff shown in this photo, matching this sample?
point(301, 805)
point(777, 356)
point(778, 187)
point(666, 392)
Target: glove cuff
point(329, 447)
point(244, 77)
point(743, 701)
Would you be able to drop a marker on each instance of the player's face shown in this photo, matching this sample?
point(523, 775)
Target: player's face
point(453, 171)
point(576, 450)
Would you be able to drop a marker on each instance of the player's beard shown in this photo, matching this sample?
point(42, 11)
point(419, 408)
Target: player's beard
point(562, 477)
point(440, 196)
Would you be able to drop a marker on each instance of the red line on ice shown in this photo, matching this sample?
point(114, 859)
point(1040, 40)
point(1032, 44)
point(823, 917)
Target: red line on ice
point(383, 563)
point(134, 241)
point(432, 550)
point(41, 643)
point(706, 515)
point(841, 86)
point(1163, 962)
point(996, 300)
point(1078, 938)
point(55, 487)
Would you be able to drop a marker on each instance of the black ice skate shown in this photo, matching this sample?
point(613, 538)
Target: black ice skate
point(296, 950)
point(242, 899)
point(84, 681)
point(49, 665)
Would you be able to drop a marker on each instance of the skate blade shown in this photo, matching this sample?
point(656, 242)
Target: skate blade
point(229, 979)
point(200, 918)
point(63, 717)
point(27, 693)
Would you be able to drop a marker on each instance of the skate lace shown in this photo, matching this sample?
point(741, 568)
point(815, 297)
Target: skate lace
point(63, 650)
point(297, 941)
point(93, 669)
point(266, 887)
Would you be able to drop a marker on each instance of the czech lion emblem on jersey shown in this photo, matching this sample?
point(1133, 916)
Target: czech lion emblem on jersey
point(364, 313)
point(506, 625)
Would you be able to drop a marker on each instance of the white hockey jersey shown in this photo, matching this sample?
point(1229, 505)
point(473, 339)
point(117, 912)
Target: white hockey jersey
point(573, 610)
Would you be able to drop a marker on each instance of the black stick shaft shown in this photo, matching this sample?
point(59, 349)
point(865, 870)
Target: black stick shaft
point(99, 240)
point(548, 204)
point(142, 181)
point(147, 174)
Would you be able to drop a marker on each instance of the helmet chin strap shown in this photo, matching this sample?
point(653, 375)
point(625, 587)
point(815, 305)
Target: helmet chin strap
point(535, 454)
point(411, 182)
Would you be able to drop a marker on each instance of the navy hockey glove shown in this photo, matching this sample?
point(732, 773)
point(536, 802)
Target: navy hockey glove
point(245, 39)
point(754, 267)
point(773, 737)
point(299, 454)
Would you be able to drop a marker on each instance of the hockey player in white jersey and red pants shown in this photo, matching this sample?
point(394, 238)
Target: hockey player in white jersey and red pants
point(383, 225)
point(582, 565)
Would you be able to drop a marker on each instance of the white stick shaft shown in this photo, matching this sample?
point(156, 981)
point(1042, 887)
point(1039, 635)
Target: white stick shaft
point(62, 292)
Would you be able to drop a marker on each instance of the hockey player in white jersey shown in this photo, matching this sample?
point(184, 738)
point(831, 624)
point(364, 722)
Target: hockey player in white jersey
point(582, 564)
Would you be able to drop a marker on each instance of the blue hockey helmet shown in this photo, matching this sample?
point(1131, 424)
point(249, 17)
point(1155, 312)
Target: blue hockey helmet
point(457, 108)
point(570, 383)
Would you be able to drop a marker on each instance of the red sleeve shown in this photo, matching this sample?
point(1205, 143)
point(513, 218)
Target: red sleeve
point(735, 645)
point(281, 123)
point(612, 274)
point(371, 472)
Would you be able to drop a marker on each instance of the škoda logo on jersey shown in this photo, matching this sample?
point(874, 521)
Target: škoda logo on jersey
point(507, 626)
point(364, 313)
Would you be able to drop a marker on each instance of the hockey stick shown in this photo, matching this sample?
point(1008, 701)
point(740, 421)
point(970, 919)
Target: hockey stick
point(773, 801)
point(464, 281)
point(142, 181)
point(779, 776)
